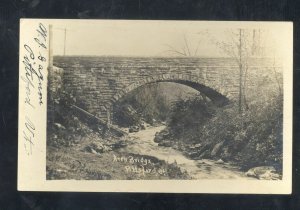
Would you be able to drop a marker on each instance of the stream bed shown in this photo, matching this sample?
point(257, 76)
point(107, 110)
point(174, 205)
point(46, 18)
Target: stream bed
point(142, 142)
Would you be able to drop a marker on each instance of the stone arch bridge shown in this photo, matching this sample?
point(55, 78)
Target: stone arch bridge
point(98, 82)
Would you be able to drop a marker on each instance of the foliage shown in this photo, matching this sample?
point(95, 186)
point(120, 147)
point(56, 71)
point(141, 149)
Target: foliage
point(263, 136)
point(145, 103)
point(64, 125)
point(189, 115)
point(253, 138)
point(125, 115)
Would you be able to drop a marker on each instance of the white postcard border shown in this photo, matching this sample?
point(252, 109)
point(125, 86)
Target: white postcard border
point(32, 167)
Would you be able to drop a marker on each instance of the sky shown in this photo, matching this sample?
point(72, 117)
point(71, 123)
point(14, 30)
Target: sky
point(155, 38)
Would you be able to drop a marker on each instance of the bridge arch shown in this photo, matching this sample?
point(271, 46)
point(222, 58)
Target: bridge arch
point(216, 94)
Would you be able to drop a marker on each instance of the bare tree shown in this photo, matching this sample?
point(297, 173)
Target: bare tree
point(186, 49)
point(277, 76)
point(241, 45)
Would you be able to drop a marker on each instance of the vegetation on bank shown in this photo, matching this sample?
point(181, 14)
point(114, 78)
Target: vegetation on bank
point(78, 149)
point(144, 104)
point(250, 139)
point(250, 136)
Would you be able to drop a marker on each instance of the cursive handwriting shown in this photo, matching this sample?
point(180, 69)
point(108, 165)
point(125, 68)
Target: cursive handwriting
point(29, 85)
point(42, 33)
point(28, 135)
point(34, 61)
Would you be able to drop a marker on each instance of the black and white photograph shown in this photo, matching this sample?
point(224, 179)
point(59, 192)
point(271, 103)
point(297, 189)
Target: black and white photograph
point(165, 100)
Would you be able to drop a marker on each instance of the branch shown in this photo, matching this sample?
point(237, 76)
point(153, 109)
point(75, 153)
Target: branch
point(172, 49)
point(187, 46)
point(197, 49)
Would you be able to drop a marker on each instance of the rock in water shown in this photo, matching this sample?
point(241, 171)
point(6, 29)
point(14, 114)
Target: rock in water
point(158, 138)
point(165, 144)
point(264, 173)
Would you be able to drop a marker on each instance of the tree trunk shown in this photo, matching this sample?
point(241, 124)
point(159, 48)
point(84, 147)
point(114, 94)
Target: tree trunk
point(241, 71)
point(245, 88)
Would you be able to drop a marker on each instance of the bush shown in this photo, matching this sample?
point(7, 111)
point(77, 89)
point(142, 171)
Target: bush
point(125, 116)
point(189, 115)
point(253, 138)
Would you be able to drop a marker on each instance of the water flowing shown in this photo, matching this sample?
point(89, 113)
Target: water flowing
point(142, 142)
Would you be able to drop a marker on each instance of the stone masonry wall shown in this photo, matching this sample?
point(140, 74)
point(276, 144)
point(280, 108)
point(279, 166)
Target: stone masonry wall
point(98, 82)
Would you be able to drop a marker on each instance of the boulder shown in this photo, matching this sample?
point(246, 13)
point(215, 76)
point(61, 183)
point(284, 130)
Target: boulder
point(93, 151)
point(165, 144)
point(95, 147)
point(268, 175)
point(133, 129)
point(59, 126)
point(264, 173)
point(195, 146)
point(119, 144)
point(142, 125)
point(158, 138)
point(193, 154)
point(220, 161)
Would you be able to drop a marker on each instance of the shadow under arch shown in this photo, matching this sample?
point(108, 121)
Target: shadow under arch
point(194, 82)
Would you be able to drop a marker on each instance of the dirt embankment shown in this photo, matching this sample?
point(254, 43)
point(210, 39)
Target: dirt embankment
point(75, 151)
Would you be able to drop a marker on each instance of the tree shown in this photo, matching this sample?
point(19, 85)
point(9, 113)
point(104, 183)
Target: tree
point(185, 50)
point(242, 45)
